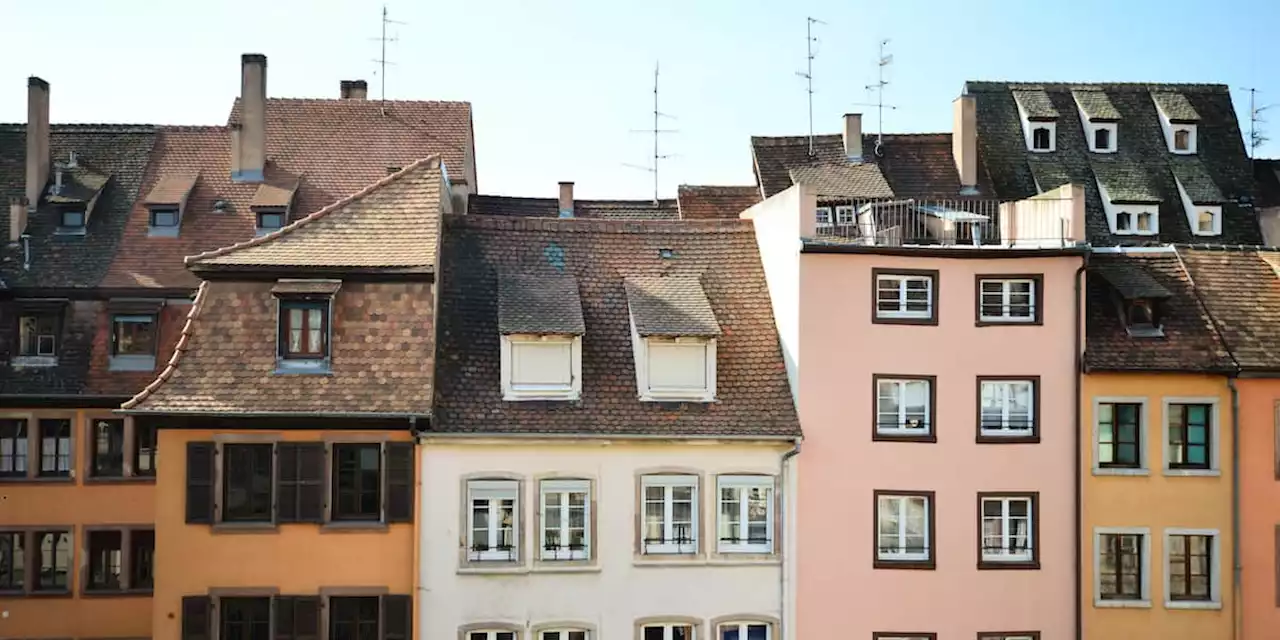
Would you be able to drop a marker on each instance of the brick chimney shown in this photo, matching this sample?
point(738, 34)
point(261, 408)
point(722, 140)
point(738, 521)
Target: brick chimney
point(249, 142)
point(566, 199)
point(853, 136)
point(964, 142)
point(38, 160)
point(353, 89)
point(17, 218)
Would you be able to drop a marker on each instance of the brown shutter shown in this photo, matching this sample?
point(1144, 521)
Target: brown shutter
point(283, 621)
point(286, 489)
point(196, 617)
point(200, 473)
point(300, 483)
point(399, 498)
point(397, 617)
point(297, 618)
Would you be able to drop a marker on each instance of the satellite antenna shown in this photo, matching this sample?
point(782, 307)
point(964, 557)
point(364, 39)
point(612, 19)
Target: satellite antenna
point(657, 132)
point(882, 62)
point(382, 60)
point(807, 74)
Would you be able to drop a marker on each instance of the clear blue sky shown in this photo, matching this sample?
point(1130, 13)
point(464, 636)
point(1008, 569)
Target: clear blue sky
point(558, 85)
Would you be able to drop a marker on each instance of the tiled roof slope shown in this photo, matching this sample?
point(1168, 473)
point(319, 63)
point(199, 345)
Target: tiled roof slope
point(80, 262)
point(701, 202)
point(541, 304)
point(1266, 173)
point(665, 209)
point(1189, 342)
point(916, 165)
point(843, 180)
point(1142, 147)
point(672, 306)
point(1242, 292)
point(393, 224)
point(753, 398)
point(337, 147)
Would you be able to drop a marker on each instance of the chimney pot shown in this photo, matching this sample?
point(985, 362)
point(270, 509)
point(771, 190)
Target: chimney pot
point(249, 148)
point(566, 199)
point(353, 89)
point(853, 136)
point(38, 158)
point(964, 142)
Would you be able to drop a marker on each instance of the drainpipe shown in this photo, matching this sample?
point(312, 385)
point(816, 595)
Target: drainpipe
point(788, 512)
point(1237, 567)
point(1078, 507)
point(415, 600)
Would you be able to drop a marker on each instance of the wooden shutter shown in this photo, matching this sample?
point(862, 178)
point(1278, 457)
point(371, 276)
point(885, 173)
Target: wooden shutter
point(297, 618)
point(300, 482)
point(399, 496)
point(286, 492)
point(397, 617)
point(201, 458)
point(197, 614)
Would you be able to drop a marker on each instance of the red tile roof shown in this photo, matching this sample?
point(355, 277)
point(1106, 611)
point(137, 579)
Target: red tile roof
point(699, 202)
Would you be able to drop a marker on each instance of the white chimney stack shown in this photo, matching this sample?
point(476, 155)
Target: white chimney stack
point(853, 136)
point(566, 199)
point(249, 143)
point(964, 142)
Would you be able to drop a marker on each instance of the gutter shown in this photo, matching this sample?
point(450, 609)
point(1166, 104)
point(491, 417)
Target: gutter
point(584, 434)
point(272, 414)
point(785, 584)
point(1078, 507)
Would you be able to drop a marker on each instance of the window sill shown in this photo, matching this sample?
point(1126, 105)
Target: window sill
point(120, 480)
point(162, 232)
point(744, 560)
point(1121, 604)
point(341, 526)
point(571, 566)
point(134, 363)
point(878, 319)
point(669, 560)
point(1201, 605)
point(910, 565)
point(65, 593)
point(993, 322)
point(498, 568)
point(116, 593)
point(880, 436)
point(244, 527)
point(1120, 471)
point(545, 396)
point(677, 397)
point(283, 369)
point(39, 480)
point(1009, 565)
point(1193, 473)
point(986, 438)
point(22, 362)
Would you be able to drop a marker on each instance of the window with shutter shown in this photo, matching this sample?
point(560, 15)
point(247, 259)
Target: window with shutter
point(196, 623)
point(300, 482)
point(399, 507)
point(397, 617)
point(200, 469)
point(297, 618)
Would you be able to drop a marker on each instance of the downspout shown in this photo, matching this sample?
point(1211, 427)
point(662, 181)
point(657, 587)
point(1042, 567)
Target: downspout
point(415, 600)
point(1237, 567)
point(784, 584)
point(1078, 507)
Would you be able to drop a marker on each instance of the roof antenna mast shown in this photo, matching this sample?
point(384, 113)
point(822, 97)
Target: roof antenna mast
point(1257, 137)
point(807, 74)
point(882, 62)
point(656, 132)
point(382, 60)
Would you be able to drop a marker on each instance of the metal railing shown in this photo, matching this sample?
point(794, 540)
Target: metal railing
point(984, 223)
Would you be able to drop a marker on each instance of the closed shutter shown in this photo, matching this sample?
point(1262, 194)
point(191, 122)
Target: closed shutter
point(200, 472)
point(397, 617)
point(196, 617)
point(300, 482)
point(297, 618)
point(399, 504)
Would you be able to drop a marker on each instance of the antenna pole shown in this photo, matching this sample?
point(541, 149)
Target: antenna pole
point(656, 132)
point(382, 60)
point(807, 74)
point(878, 87)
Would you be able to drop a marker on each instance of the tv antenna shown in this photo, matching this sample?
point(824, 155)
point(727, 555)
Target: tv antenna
point(1256, 136)
point(807, 74)
point(656, 132)
point(883, 61)
point(382, 60)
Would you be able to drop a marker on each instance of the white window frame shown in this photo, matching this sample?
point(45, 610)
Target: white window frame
point(899, 501)
point(1006, 521)
point(1145, 601)
point(1215, 441)
point(490, 634)
point(743, 626)
point(742, 485)
point(668, 629)
point(1052, 127)
point(561, 489)
point(1215, 570)
point(564, 632)
point(495, 491)
point(845, 215)
point(651, 393)
point(1006, 393)
point(1143, 437)
point(900, 387)
point(669, 482)
point(513, 392)
point(1194, 210)
point(818, 213)
point(1006, 296)
point(902, 313)
point(1192, 142)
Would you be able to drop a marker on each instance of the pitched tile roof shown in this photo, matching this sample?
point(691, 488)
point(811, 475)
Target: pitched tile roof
point(846, 180)
point(393, 223)
point(276, 195)
point(1014, 170)
point(1095, 104)
point(1035, 103)
point(546, 304)
point(1189, 343)
point(1191, 174)
point(1175, 106)
point(670, 306)
point(665, 209)
point(701, 202)
point(753, 397)
point(1241, 290)
point(172, 189)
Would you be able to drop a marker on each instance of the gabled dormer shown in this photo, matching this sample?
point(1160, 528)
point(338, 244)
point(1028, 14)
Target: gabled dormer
point(1138, 299)
point(73, 193)
point(167, 202)
point(1178, 120)
point(1201, 199)
point(1099, 118)
point(673, 337)
point(272, 205)
point(541, 327)
point(1039, 119)
point(1131, 204)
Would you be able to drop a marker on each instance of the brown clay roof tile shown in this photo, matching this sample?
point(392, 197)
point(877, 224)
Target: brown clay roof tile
point(172, 189)
point(701, 202)
point(670, 306)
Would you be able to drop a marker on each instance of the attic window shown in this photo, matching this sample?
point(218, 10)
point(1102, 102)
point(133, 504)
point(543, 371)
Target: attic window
point(1042, 138)
point(1181, 140)
point(71, 221)
point(1207, 223)
point(270, 220)
point(541, 327)
point(164, 217)
point(678, 368)
point(1142, 318)
point(133, 342)
point(1135, 222)
point(38, 334)
point(304, 329)
point(673, 334)
point(1102, 140)
point(822, 217)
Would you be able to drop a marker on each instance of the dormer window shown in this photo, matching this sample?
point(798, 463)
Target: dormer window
point(38, 334)
point(71, 221)
point(1142, 319)
point(1137, 296)
point(822, 217)
point(1102, 140)
point(304, 328)
point(271, 205)
point(1178, 120)
point(1207, 223)
point(1131, 205)
point(1039, 119)
point(1181, 140)
point(166, 202)
point(1099, 118)
point(541, 327)
point(270, 220)
point(1201, 199)
point(164, 218)
point(1041, 138)
point(1135, 222)
point(673, 334)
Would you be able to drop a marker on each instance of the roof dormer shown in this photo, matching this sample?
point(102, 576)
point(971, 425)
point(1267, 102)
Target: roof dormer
point(1131, 204)
point(1178, 120)
point(541, 327)
point(272, 204)
point(1201, 199)
point(167, 202)
point(1138, 298)
point(1099, 118)
point(74, 193)
point(1039, 119)
point(673, 336)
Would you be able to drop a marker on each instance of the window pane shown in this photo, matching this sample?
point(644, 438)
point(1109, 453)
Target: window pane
point(144, 450)
point(134, 335)
point(55, 561)
point(108, 448)
point(13, 560)
point(55, 448)
point(142, 550)
point(105, 557)
point(357, 481)
point(541, 364)
point(247, 482)
point(654, 633)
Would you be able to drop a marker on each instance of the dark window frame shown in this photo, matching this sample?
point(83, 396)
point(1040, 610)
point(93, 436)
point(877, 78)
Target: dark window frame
point(16, 431)
point(988, 438)
point(16, 578)
point(934, 298)
point(336, 498)
point(66, 432)
point(931, 529)
point(130, 575)
point(154, 212)
point(1181, 139)
point(1102, 139)
point(36, 556)
point(1114, 546)
point(1187, 565)
point(1034, 499)
point(1185, 446)
point(115, 458)
point(1116, 441)
point(1039, 144)
point(249, 602)
point(118, 320)
point(132, 453)
point(81, 212)
point(321, 352)
point(260, 215)
point(931, 429)
point(251, 516)
point(53, 331)
point(1037, 300)
point(337, 605)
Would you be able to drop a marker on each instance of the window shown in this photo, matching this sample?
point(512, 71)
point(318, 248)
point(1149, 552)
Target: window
point(133, 335)
point(491, 635)
point(1142, 318)
point(1101, 139)
point(678, 369)
point(905, 297)
point(71, 220)
point(247, 483)
point(164, 217)
point(1008, 530)
point(1121, 566)
point(1041, 139)
point(822, 217)
point(38, 335)
point(667, 632)
point(565, 516)
point(670, 514)
point(846, 215)
point(13, 448)
point(304, 329)
point(52, 561)
point(1119, 435)
point(1207, 223)
point(1192, 567)
point(36, 561)
point(1189, 429)
point(1181, 140)
point(142, 559)
point(1135, 223)
point(744, 631)
point(1008, 410)
point(13, 561)
point(106, 561)
point(55, 448)
point(904, 530)
point(1020, 635)
point(541, 367)
point(144, 450)
point(493, 515)
point(882, 635)
point(357, 478)
point(245, 618)
point(1009, 300)
point(564, 634)
point(745, 514)
point(269, 221)
point(904, 408)
point(107, 440)
point(353, 618)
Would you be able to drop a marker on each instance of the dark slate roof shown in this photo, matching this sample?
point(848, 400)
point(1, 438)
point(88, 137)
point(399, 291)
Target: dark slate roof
point(545, 304)
point(1175, 106)
point(844, 179)
point(753, 396)
point(670, 306)
point(80, 184)
point(1013, 170)
point(1241, 289)
point(59, 261)
point(1130, 280)
point(1036, 103)
point(916, 165)
point(1195, 180)
point(666, 209)
point(1096, 105)
point(1266, 173)
point(1189, 342)
point(1125, 181)
point(700, 202)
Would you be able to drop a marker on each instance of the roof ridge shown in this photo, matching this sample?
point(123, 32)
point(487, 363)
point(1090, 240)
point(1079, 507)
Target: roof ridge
point(707, 226)
point(192, 128)
point(184, 339)
point(1071, 84)
point(370, 101)
point(431, 161)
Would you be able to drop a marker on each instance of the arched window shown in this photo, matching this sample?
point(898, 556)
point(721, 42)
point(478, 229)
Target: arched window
point(492, 634)
point(1205, 222)
point(1124, 221)
point(564, 634)
point(1102, 140)
point(1182, 140)
point(744, 631)
point(1040, 139)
